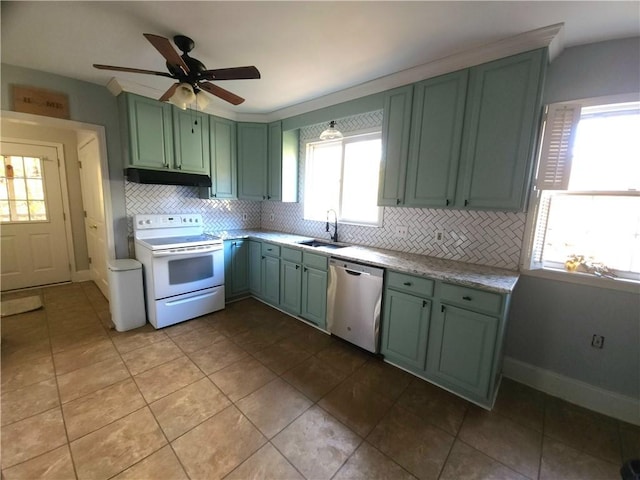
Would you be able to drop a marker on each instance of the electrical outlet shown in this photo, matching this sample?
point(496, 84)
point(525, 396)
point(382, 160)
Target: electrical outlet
point(272, 217)
point(244, 216)
point(401, 231)
point(438, 236)
point(597, 341)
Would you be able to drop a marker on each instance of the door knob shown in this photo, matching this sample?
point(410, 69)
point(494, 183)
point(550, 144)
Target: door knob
point(93, 226)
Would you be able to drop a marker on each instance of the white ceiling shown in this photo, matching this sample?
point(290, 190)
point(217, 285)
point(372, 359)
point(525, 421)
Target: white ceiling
point(304, 50)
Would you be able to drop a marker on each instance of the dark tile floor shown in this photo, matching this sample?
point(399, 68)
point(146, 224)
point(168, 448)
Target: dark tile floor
point(249, 392)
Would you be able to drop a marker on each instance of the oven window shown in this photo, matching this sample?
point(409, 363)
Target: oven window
point(189, 270)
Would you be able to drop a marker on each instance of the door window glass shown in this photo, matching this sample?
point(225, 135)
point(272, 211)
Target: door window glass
point(22, 196)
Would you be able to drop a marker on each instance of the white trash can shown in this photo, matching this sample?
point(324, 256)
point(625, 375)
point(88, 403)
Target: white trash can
point(127, 296)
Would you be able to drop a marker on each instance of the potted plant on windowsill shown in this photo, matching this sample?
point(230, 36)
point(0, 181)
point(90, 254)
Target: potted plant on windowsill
point(578, 263)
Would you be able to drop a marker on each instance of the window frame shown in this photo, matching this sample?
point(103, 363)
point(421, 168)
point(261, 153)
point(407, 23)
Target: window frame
point(351, 137)
point(529, 264)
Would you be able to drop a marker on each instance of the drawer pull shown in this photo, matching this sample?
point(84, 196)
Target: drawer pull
point(467, 298)
point(408, 284)
point(424, 303)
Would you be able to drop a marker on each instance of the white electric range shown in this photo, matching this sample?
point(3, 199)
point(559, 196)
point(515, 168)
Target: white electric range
point(183, 267)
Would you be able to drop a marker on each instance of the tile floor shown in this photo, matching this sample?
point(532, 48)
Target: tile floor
point(249, 392)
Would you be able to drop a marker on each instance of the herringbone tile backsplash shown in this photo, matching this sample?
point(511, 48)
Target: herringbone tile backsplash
point(486, 238)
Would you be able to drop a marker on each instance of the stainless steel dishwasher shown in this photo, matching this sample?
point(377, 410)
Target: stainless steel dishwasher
point(354, 299)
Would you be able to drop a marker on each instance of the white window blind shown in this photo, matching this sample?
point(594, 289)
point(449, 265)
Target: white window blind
point(557, 144)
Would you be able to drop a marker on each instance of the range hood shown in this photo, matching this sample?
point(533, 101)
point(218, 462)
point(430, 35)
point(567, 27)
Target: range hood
point(167, 177)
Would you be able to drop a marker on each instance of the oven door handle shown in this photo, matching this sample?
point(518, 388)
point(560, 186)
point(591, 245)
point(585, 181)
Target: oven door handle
point(199, 251)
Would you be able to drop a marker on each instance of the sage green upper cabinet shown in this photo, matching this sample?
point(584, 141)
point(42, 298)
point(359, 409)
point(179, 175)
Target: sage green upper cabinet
point(224, 161)
point(149, 131)
point(191, 140)
point(252, 160)
point(395, 145)
point(436, 133)
point(274, 167)
point(502, 114)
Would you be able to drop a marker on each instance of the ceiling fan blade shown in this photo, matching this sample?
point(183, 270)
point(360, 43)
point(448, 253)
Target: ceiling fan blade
point(169, 93)
point(167, 51)
point(236, 73)
point(132, 70)
point(221, 93)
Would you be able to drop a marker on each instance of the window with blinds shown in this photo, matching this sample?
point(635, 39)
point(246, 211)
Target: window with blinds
point(586, 213)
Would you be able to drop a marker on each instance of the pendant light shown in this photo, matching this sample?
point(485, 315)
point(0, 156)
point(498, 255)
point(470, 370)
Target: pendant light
point(331, 133)
point(183, 96)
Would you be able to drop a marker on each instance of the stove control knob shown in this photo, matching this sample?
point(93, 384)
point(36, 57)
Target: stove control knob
point(148, 222)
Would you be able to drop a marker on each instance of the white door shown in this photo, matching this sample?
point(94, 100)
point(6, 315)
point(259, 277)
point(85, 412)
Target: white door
point(93, 203)
point(33, 240)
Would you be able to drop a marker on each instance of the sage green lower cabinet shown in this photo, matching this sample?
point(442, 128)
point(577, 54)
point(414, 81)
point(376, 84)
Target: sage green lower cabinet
point(271, 279)
point(236, 268)
point(290, 286)
point(314, 289)
point(461, 347)
point(405, 329)
point(255, 268)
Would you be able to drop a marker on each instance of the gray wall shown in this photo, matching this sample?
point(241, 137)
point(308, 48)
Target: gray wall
point(88, 103)
point(552, 322)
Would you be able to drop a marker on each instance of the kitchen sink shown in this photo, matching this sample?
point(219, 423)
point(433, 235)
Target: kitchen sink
point(321, 244)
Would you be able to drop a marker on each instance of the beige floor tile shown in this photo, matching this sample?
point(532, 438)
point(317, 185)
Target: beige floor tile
point(217, 356)
point(357, 405)
point(191, 405)
point(343, 357)
point(197, 338)
point(223, 442)
point(137, 338)
point(560, 461)
point(94, 411)
point(85, 380)
point(521, 404)
point(53, 465)
point(314, 378)
point(117, 446)
point(144, 358)
point(81, 336)
point(282, 356)
point(17, 351)
point(256, 339)
point(21, 374)
point(242, 378)
point(32, 436)
point(28, 401)
point(368, 463)
point(274, 406)
point(266, 463)
point(84, 355)
point(435, 405)
point(582, 429)
point(470, 464)
point(26, 323)
point(312, 340)
point(416, 445)
point(316, 443)
point(167, 378)
point(516, 446)
point(383, 378)
point(162, 464)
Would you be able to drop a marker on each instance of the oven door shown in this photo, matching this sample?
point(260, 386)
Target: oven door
point(178, 271)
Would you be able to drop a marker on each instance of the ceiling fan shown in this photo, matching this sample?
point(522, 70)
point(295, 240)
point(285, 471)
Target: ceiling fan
point(191, 75)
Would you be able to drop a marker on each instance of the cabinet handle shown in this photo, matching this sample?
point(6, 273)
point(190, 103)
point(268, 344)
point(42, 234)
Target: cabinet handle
point(424, 303)
point(263, 257)
point(397, 201)
point(264, 197)
point(408, 284)
point(466, 202)
point(447, 202)
point(268, 197)
point(233, 244)
point(304, 269)
point(179, 167)
point(165, 165)
point(297, 267)
point(442, 308)
point(467, 298)
point(214, 195)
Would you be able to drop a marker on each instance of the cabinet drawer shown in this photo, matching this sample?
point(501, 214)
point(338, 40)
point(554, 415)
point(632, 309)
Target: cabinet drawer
point(314, 260)
point(270, 249)
point(471, 298)
point(408, 283)
point(291, 254)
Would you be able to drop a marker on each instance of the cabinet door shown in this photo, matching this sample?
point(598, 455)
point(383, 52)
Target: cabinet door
point(236, 267)
point(290, 286)
point(191, 139)
point(252, 161)
point(502, 115)
point(436, 133)
point(150, 132)
point(405, 329)
point(224, 161)
point(395, 145)
point(255, 268)
point(461, 348)
point(274, 173)
point(314, 296)
point(271, 280)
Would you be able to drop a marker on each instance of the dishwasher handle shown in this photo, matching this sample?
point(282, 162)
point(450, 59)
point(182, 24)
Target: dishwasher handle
point(354, 273)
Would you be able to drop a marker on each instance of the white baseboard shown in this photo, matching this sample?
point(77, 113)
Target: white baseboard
point(575, 391)
point(81, 276)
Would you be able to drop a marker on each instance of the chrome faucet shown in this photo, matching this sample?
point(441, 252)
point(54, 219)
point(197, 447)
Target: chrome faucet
point(334, 237)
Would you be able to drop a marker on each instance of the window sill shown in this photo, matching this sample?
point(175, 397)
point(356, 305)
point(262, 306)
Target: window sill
point(619, 284)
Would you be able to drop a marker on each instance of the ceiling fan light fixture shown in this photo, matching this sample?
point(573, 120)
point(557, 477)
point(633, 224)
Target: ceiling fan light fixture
point(331, 133)
point(183, 96)
point(202, 100)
